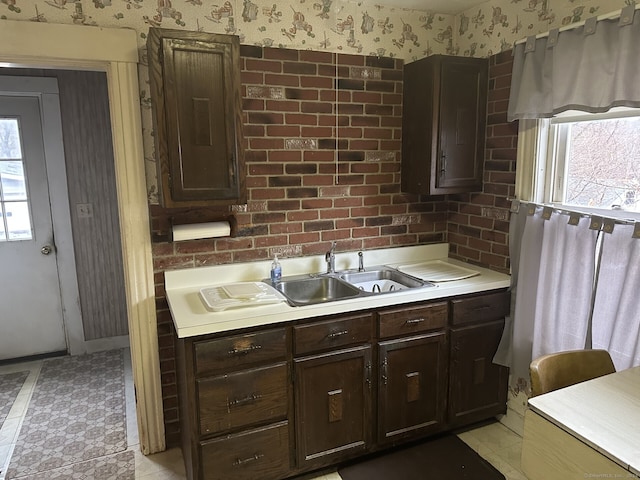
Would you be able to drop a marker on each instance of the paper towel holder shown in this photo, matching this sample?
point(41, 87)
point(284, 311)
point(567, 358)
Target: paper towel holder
point(202, 228)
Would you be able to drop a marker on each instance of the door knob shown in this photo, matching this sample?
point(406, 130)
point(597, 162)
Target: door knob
point(46, 250)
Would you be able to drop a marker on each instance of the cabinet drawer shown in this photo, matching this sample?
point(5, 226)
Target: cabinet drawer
point(481, 308)
point(257, 454)
point(331, 333)
point(242, 398)
point(409, 320)
point(229, 353)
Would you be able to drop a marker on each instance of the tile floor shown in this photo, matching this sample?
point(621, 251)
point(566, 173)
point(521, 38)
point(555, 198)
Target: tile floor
point(494, 442)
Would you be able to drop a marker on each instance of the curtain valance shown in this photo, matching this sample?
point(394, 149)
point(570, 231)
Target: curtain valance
point(590, 68)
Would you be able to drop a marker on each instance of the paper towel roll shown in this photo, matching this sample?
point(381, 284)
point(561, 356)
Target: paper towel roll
point(201, 230)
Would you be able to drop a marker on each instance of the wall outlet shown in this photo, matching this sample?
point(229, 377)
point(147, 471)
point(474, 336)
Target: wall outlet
point(84, 210)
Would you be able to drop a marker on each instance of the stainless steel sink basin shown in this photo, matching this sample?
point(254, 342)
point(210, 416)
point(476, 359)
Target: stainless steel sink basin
point(381, 280)
point(311, 289)
point(307, 290)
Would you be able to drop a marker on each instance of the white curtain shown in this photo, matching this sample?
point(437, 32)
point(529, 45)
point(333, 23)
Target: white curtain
point(616, 313)
point(565, 286)
point(525, 302)
point(590, 68)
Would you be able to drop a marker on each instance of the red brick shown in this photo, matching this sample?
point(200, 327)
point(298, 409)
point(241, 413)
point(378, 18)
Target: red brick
point(282, 80)
point(263, 65)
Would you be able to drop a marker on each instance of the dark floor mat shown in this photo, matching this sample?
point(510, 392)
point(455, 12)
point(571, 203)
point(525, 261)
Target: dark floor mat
point(442, 458)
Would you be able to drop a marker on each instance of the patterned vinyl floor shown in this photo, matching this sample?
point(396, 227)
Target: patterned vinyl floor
point(75, 425)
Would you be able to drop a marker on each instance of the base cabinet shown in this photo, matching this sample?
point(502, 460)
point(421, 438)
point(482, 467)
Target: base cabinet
point(261, 453)
point(412, 392)
point(477, 386)
point(333, 405)
point(277, 402)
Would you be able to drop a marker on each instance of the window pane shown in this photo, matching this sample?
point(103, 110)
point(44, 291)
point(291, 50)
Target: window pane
point(13, 183)
point(3, 236)
point(18, 220)
point(603, 167)
point(9, 139)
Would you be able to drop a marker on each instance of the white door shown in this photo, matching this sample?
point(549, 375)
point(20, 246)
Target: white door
point(30, 305)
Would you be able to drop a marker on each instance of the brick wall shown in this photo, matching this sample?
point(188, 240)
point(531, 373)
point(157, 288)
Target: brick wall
point(311, 181)
point(478, 223)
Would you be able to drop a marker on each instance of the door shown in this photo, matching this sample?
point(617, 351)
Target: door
point(333, 405)
point(412, 386)
point(478, 387)
point(31, 320)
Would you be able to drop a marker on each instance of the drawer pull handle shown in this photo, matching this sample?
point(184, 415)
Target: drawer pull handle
point(244, 351)
point(333, 335)
point(414, 320)
point(242, 461)
point(249, 398)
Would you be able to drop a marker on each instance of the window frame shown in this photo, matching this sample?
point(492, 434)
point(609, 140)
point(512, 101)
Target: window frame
point(542, 153)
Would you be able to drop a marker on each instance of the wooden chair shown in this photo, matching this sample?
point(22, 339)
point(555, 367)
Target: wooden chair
point(557, 370)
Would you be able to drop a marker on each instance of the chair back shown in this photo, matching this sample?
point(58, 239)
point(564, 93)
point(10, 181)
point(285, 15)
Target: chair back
point(557, 370)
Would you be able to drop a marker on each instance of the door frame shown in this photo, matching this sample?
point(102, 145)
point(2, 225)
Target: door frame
point(115, 52)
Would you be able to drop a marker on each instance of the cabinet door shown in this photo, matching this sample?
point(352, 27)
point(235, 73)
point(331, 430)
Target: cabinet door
point(463, 110)
point(333, 405)
point(412, 386)
point(195, 89)
point(444, 112)
point(477, 386)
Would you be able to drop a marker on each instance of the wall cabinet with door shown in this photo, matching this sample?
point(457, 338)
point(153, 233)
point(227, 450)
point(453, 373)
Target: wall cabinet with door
point(443, 124)
point(275, 402)
point(195, 91)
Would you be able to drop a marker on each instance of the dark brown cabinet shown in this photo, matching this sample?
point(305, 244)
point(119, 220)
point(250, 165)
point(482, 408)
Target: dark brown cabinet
point(443, 124)
point(333, 405)
point(195, 91)
point(275, 402)
point(234, 406)
point(477, 386)
point(333, 388)
point(412, 374)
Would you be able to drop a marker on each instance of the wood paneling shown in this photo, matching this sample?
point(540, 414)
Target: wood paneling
point(88, 147)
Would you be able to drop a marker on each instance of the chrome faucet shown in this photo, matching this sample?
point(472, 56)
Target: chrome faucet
point(330, 258)
point(360, 262)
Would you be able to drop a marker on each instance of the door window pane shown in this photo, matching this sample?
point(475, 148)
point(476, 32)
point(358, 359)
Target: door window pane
point(13, 183)
point(9, 139)
point(18, 220)
point(3, 236)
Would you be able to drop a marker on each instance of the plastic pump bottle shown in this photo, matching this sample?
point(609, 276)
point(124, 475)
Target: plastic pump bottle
point(276, 270)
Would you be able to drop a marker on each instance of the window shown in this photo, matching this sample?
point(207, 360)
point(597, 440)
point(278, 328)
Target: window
point(15, 220)
point(584, 161)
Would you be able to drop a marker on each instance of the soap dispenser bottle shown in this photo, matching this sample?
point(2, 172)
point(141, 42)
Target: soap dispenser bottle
point(276, 270)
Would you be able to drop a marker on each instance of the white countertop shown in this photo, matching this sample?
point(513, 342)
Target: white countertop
point(604, 413)
point(190, 317)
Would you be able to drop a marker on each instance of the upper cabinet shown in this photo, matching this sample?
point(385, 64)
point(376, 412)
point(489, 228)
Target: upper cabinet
point(195, 90)
point(443, 125)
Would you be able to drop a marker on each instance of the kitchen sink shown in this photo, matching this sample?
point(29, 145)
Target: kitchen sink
point(308, 290)
point(302, 290)
point(381, 280)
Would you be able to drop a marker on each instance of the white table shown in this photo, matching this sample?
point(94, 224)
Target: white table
point(587, 430)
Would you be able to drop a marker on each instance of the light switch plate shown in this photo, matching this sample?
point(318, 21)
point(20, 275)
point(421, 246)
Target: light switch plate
point(84, 210)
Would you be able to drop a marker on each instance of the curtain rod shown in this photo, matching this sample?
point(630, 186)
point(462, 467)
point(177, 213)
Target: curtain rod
point(605, 16)
point(515, 204)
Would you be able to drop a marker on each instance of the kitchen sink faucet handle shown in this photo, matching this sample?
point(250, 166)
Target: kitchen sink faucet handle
point(360, 262)
point(330, 258)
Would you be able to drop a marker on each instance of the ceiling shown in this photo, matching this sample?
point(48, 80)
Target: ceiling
point(451, 7)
